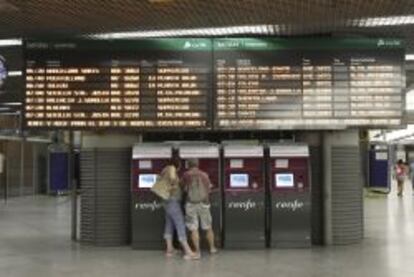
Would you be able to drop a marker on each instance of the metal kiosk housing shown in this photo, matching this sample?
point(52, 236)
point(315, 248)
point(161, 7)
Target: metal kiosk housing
point(290, 193)
point(58, 179)
point(244, 196)
point(146, 210)
point(208, 155)
point(379, 167)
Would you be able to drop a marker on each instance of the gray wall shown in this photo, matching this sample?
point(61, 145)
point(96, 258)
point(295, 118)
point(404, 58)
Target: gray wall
point(25, 167)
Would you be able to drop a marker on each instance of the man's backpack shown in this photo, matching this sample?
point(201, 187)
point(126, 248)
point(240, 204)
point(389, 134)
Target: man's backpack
point(197, 191)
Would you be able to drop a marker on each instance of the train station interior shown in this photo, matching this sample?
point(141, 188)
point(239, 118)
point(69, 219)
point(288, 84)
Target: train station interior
point(207, 138)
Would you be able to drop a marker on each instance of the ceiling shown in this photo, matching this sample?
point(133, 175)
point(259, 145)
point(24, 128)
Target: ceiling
point(28, 18)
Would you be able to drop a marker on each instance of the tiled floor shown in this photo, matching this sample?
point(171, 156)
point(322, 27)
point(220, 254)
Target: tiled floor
point(35, 231)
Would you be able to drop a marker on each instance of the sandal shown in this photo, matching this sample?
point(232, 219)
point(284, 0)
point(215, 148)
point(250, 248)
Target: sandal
point(191, 257)
point(170, 254)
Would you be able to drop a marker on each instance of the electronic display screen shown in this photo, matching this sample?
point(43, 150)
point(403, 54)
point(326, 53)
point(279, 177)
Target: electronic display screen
point(307, 84)
point(146, 180)
point(214, 84)
point(148, 84)
point(239, 180)
point(284, 180)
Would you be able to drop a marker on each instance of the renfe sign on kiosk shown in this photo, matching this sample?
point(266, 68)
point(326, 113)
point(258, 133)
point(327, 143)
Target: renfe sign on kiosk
point(148, 160)
point(289, 187)
point(244, 196)
point(208, 155)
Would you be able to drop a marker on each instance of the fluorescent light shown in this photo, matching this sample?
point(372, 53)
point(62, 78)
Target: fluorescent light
point(10, 42)
point(11, 103)
point(9, 113)
point(382, 21)
point(14, 73)
point(409, 57)
point(230, 30)
point(400, 134)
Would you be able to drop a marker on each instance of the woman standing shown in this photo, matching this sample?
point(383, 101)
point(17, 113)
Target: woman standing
point(174, 218)
point(400, 174)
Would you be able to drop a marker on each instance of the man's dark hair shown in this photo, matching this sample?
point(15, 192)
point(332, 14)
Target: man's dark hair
point(400, 161)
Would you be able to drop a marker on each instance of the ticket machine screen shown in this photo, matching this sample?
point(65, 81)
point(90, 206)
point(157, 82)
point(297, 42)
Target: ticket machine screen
point(239, 180)
point(146, 180)
point(284, 180)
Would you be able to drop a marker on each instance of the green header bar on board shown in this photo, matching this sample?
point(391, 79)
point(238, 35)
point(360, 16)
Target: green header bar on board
point(221, 44)
point(304, 43)
point(162, 44)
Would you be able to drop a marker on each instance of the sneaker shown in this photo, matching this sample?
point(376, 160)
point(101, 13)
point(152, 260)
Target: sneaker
point(213, 251)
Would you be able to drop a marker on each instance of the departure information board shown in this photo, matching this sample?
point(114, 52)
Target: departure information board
point(221, 84)
point(305, 84)
point(164, 83)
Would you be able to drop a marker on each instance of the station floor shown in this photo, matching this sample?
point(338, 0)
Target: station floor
point(34, 241)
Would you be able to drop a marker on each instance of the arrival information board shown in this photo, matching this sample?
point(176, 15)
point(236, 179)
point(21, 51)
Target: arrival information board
point(151, 84)
point(220, 84)
point(305, 84)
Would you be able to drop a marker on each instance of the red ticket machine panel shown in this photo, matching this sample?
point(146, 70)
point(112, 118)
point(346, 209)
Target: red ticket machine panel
point(244, 195)
point(208, 156)
point(148, 160)
point(289, 187)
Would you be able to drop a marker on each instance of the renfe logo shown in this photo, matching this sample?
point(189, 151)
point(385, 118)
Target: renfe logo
point(194, 44)
point(290, 205)
point(244, 205)
point(148, 206)
point(388, 42)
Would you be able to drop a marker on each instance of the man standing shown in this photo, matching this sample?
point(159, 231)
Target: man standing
point(196, 184)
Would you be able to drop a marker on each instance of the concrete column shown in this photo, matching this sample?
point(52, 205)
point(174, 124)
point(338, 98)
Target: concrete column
point(90, 140)
point(333, 139)
point(22, 164)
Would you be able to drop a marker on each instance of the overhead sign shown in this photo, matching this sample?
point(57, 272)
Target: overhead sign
point(222, 84)
point(150, 84)
point(308, 84)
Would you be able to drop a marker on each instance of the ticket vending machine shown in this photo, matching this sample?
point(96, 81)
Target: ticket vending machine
point(290, 193)
point(379, 167)
point(58, 169)
point(208, 155)
point(244, 196)
point(147, 212)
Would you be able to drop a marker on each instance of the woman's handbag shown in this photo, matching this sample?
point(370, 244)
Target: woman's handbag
point(161, 187)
